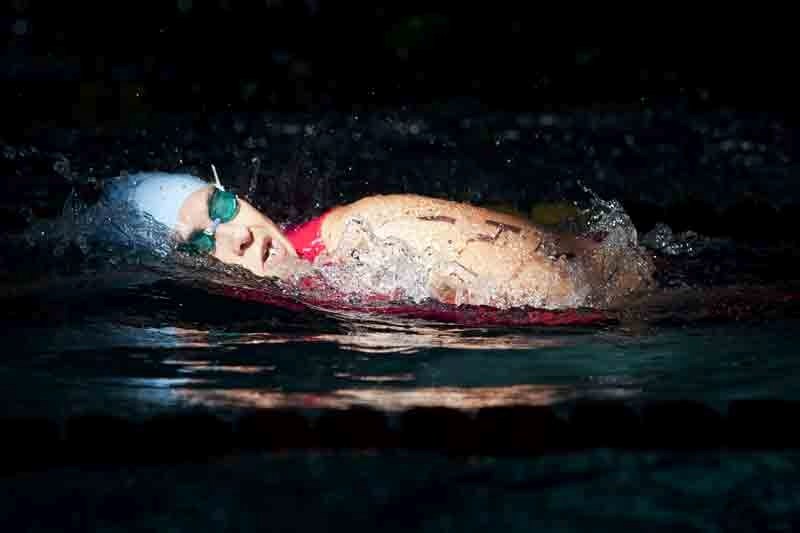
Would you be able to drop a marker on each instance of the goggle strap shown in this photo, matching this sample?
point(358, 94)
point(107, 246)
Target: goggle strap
point(217, 183)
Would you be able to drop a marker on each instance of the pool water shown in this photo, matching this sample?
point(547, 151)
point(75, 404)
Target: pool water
point(127, 341)
point(165, 347)
point(122, 370)
point(593, 491)
point(163, 350)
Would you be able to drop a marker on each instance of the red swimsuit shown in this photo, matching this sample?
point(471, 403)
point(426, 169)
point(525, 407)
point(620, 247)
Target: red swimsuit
point(306, 238)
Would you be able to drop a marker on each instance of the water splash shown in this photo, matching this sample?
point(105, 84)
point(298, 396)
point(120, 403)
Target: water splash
point(688, 243)
point(619, 266)
point(101, 227)
point(374, 265)
point(608, 217)
point(365, 265)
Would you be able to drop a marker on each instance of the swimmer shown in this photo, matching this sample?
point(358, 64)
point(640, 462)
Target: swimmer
point(466, 248)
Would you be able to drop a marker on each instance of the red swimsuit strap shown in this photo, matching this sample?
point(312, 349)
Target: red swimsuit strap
point(306, 238)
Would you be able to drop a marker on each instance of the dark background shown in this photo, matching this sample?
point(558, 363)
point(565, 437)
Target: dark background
point(104, 61)
point(88, 65)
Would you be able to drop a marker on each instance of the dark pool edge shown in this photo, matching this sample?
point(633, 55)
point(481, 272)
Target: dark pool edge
point(519, 431)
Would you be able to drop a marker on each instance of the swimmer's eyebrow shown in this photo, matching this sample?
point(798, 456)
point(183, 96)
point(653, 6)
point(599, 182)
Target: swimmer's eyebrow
point(438, 218)
point(501, 225)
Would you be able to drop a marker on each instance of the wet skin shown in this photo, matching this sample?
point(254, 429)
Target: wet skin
point(468, 247)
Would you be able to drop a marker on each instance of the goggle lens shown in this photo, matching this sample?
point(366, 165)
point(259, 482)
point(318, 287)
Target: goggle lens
point(202, 242)
point(223, 206)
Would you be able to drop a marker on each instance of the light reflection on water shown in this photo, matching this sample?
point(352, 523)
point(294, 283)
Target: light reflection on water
point(394, 400)
point(447, 367)
point(389, 339)
point(127, 365)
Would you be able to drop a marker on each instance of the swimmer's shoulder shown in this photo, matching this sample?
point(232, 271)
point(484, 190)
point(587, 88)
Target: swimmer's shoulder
point(377, 209)
point(385, 204)
point(381, 207)
point(394, 203)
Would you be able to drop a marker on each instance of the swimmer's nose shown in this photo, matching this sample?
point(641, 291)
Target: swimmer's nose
point(239, 238)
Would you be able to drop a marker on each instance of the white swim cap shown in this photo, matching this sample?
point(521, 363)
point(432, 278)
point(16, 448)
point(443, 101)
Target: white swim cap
point(159, 194)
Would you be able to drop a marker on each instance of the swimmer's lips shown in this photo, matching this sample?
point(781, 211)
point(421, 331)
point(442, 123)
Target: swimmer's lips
point(271, 252)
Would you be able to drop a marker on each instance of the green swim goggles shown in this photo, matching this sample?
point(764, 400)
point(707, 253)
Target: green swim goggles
point(223, 206)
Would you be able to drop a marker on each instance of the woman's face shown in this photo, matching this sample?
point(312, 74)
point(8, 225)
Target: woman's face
point(250, 239)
